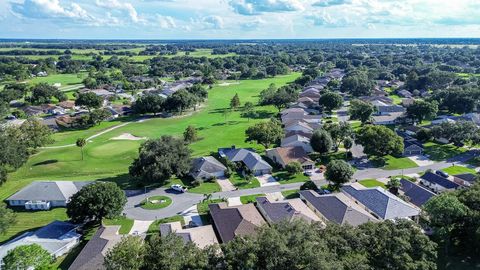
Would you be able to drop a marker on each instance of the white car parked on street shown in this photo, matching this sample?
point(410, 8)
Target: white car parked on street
point(178, 188)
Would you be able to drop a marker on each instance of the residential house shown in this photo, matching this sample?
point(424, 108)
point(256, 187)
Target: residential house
point(380, 203)
point(93, 254)
point(412, 130)
point(404, 93)
point(417, 195)
point(310, 93)
point(99, 92)
point(297, 140)
point(57, 238)
point(43, 195)
point(300, 126)
point(67, 105)
point(50, 122)
point(207, 168)
point(286, 210)
point(286, 155)
point(388, 119)
point(407, 102)
point(465, 179)
point(437, 183)
point(336, 208)
point(231, 221)
point(251, 160)
point(202, 236)
point(374, 99)
point(412, 147)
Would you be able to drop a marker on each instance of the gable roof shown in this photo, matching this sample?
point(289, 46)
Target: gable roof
point(337, 208)
point(295, 138)
point(381, 202)
point(53, 238)
point(206, 165)
point(291, 154)
point(285, 210)
point(202, 236)
point(417, 194)
point(468, 177)
point(254, 161)
point(234, 221)
point(49, 191)
point(439, 180)
point(93, 254)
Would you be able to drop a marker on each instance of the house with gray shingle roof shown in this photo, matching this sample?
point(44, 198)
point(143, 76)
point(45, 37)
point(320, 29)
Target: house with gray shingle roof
point(93, 254)
point(336, 208)
point(286, 210)
point(252, 161)
point(418, 195)
point(232, 221)
point(57, 238)
point(42, 195)
point(202, 236)
point(380, 202)
point(437, 183)
point(207, 168)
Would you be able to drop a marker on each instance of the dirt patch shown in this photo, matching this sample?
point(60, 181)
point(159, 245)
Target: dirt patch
point(227, 83)
point(128, 137)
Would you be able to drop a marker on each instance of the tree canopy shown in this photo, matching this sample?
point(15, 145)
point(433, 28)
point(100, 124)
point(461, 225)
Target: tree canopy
point(330, 101)
point(265, 133)
point(360, 110)
point(339, 172)
point(379, 141)
point(27, 257)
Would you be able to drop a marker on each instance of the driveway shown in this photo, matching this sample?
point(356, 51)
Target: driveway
point(225, 184)
point(180, 202)
point(267, 180)
point(140, 226)
point(421, 160)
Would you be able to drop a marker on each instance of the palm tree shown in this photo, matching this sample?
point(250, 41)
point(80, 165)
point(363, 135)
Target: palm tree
point(81, 142)
point(207, 197)
point(393, 185)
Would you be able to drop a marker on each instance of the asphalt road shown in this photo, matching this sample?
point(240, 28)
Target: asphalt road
point(183, 201)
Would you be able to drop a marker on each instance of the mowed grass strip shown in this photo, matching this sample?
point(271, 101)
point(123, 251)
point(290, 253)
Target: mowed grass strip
point(453, 170)
point(125, 224)
point(369, 183)
point(155, 202)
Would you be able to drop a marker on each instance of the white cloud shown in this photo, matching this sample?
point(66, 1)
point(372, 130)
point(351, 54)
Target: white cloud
point(215, 22)
point(122, 6)
point(166, 22)
point(50, 9)
point(255, 7)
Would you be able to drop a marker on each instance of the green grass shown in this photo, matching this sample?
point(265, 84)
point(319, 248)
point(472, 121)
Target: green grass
point(394, 163)
point(440, 152)
point(31, 220)
point(240, 182)
point(285, 178)
point(154, 227)
point(371, 183)
point(125, 224)
point(64, 79)
point(291, 194)
point(250, 198)
point(453, 170)
point(202, 207)
point(396, 99)
point(161, 202)
point(203, 188)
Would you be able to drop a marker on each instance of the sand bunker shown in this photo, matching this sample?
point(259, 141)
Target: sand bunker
point(129, 137)
point(227, 84)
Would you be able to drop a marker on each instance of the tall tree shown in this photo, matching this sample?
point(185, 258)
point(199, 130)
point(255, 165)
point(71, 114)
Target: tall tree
point(89, 100)
point(81, 142)
point(7, 218)
point(321, 141)
point(235, 102)
point(339, 172)
point(27, 257)
point(190, 134)
point(248, 110)
point(330, 101)
point(265, 133)
point(338, 132)
point(357, 84)
point(96, 201)
point(128, 254)
point(421, 110)
point(360, 110)
point(34, 134)
point(161, 158)
point(379, 141)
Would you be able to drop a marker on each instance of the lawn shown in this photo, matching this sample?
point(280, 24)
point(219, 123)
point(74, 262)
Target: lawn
point(440, 152)
point(250, 198)
point(202, 207)
point(125, 224)
point(109, 160)
point(285, 178)
point(156, 202)
point(291, 194)
point(453, 170)
point(203, 188)
point(63, 79)
point(371, 183)
point(394, 163)
point(31, 220)
point(240, 182)
point(154, 227)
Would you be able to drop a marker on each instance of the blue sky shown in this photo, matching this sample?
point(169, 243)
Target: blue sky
point(238, 19)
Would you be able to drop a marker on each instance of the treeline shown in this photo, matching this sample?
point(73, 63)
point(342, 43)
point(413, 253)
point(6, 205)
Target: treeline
point(288, 245)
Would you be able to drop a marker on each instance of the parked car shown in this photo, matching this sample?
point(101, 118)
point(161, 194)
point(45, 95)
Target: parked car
point(308, 173)
point(178, 188)
point(442, 173)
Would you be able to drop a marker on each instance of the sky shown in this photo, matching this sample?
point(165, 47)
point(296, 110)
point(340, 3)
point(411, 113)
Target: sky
point(238, 19)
